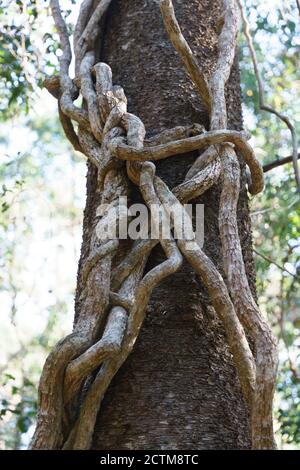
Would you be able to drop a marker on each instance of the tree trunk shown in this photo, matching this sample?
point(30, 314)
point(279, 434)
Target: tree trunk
point(198, 371)
point(179, 388)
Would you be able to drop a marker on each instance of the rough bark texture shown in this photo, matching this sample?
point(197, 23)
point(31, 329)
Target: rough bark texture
point(179, 388)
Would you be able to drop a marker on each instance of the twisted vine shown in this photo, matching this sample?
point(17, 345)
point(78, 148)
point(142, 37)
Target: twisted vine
point(80, 368)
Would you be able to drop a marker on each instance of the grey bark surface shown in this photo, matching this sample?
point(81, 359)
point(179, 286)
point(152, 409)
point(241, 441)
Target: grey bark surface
point(179, 388)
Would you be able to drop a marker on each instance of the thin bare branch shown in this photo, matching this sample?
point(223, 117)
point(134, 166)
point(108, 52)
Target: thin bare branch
point(68, 89)
point(271, 261)
point(276, 163)
point(263, 106)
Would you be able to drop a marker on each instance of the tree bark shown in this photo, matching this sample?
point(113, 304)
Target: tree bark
point(179, 388)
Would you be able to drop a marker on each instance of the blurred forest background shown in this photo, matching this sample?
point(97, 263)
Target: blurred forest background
point(42, 195)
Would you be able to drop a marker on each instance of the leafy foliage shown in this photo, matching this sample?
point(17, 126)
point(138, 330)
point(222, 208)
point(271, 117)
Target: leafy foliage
point(21, 402)
point(26, 53)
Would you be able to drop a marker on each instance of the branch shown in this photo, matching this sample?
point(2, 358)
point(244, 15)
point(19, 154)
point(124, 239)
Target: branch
point(184, 51)
point(118, 300)
point(68, 89)
point(282, 161)
point(271, 261)
point(263, 106)
point(72, 111)
point(90, 32)
point(135, 131)
point(90, 147)
point(81, 435)
point(169, 246)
